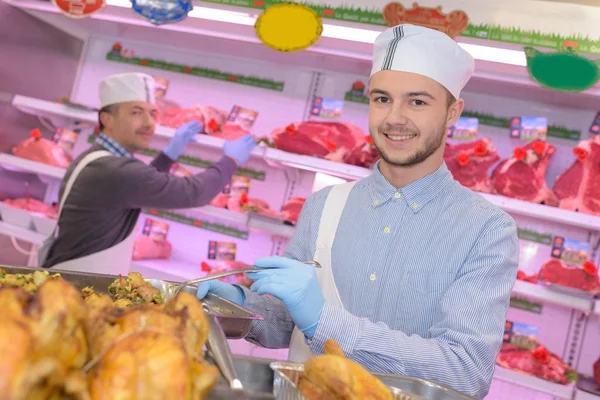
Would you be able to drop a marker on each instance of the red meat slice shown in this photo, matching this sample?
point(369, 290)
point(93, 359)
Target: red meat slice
point(525, 179)
point(557, 272)
point(43, 151)
point(522, 276)
point(145, 248)
point(472, 172)
point(34, 206)
point(291, 210)
point(238, 279)
point(220, 200)
point(578, 188)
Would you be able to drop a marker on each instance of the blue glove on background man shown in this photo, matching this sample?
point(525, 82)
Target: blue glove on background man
point(296, 285)
point(183, 136)
point(229, 292)
point(239, 149)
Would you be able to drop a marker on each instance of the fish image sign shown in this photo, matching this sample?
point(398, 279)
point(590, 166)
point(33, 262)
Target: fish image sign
point(79, 8)
point(564, 71)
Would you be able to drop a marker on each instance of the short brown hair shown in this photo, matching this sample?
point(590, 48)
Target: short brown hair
point(110, 109)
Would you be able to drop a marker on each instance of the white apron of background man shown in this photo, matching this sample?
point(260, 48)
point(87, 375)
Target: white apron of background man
point(112, 261)
point(330, 219)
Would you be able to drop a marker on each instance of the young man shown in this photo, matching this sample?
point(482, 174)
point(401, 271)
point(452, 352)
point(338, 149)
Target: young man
point(416, 270)
point(105, 188)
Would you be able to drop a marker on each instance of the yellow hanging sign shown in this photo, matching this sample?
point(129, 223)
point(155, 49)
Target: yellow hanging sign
point(289, 27)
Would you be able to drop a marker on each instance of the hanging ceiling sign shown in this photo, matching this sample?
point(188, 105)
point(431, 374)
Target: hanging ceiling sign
point(79, 8)
point(452, 24)
point(289, 27)
point(160, 12)
point(564, 71)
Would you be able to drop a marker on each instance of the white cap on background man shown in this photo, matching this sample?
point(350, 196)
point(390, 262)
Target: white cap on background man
point(122, 88)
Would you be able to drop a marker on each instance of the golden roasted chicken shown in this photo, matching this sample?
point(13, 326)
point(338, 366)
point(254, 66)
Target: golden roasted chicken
point(57, 342)
point(334, 377)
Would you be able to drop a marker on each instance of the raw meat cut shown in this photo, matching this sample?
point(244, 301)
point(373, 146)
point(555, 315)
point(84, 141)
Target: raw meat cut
point(222, 266)
point(34, 206)
point(214, 120)
point(557, 272)
point(597, 371)
point(522, 276)
point(538, 362)
point(578, 188)
point(469, 163)
point(145, 248)
point(291, 210)
point(364, 156)
point(243, 203)
point(522, 176)
point(44, 151)
point(220, 200)
point(335, 141)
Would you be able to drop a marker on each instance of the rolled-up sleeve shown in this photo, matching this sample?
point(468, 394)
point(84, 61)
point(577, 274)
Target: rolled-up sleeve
point(460, 349)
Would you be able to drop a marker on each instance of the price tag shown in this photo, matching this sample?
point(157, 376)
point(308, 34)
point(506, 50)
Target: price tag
point(520, 335)
point(595, 127)
point(157, 230)
point(224, 251)
point(573, 252)
point(529, 128)
point(465, 129)
point(243, 117)
point(327, 108)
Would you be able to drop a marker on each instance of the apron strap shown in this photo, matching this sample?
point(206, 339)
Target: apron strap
point(332, 213)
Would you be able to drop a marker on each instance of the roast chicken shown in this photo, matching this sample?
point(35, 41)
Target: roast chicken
point(334, 377)
point(57, 342)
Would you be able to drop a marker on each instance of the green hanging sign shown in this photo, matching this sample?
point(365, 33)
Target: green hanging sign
point(564, 71)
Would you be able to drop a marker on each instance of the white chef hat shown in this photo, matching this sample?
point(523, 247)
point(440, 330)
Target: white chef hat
point(423, 51)
point(121, 88)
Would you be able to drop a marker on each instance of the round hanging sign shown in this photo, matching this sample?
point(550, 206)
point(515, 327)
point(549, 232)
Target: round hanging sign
point(160, 12)
point(79, 8)
point(289, 27)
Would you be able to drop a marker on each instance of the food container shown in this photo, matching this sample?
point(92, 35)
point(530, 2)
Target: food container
point(42, 224)
point(15, 216)
point(287, 375)
point(235, 320)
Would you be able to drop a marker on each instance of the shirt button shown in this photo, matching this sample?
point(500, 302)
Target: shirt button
point(376, 203)
point(387, 229)
point(372, 277)
point(397, 195)
point(415, 206)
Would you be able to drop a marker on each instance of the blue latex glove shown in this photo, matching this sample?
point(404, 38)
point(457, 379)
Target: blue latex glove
point(296, 285)
point(183, 136)
point(239, 149)
point(220, 288)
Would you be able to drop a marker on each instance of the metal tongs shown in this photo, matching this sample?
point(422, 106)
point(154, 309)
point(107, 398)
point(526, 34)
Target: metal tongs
point(170, 291)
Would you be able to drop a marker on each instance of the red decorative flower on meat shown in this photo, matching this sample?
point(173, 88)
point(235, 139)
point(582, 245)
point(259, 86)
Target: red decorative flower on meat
point(36, 134)
point(205, 267)
point(581, 154)
point(541, 355)
point(519, 153)
point(369, 139)
point(331, 146)
point(213, 125)
point(291, 129)
point(244, 199)
point(462, 159)
point(480, 149)
point(539, 147)
point(590, 268)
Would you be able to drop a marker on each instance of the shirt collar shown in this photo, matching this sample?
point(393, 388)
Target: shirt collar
point(416, 195)
point(112, 146)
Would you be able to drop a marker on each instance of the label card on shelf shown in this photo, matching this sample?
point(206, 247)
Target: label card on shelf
point(327, 108)
point(221, 250)
point(244, 117)
point(526, 305)
point(573, 252)
point(595, 127)
point(520, 335)
point(156, 230)
point(529, 128)
point(465, 129)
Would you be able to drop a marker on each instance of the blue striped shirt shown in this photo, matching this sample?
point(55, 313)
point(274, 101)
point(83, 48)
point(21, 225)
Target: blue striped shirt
point(112, 146)
point(444, 261)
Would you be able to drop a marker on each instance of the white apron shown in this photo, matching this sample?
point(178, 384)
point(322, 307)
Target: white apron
point(112, 261)
point(330, 219)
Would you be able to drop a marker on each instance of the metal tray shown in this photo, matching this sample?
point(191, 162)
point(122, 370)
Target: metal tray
point(287, 375)
point(569, 290)
point(235, 320)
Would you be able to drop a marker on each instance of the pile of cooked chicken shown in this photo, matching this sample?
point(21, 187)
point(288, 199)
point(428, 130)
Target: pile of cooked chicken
point(57, 342)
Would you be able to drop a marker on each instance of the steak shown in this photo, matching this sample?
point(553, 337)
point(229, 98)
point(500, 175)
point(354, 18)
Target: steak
point(291, 210)
point(44, 151)
point(522, 276)
point(557, 272)
point(469, 163)
point(550, 367)
point(34, 206)
point(522, 176)
point(578, 188)
point(222, 266)
point(146, 248)
point(334, 141)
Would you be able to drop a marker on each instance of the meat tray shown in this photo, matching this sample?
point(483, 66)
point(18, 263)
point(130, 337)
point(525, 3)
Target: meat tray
point(287, 374)
point(235, 320)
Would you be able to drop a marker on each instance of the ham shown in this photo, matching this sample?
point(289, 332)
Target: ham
point(44, 151)
point(291, 210)
point(146, 248)
point(34, 206)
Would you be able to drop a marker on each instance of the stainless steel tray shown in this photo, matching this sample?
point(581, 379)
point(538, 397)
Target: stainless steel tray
point(287, 375)
point(235, 320)
point(569, 290)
